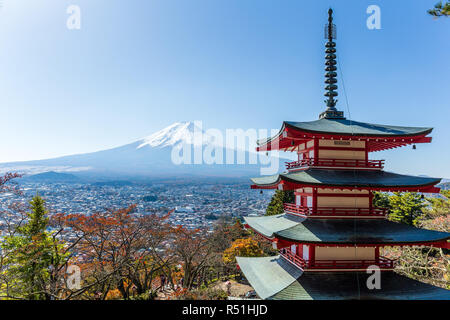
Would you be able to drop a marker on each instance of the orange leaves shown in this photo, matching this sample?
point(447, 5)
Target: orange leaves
point(117, 246)
point(113, 295)
point(242, 248)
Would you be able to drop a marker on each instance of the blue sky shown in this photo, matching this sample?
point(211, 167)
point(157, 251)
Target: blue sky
point(137, 66)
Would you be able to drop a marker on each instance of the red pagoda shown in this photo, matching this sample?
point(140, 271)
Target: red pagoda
point(332, 233)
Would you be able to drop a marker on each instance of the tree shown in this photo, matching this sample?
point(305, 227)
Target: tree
point(6, 181)
point(438, 206)
point(150, 257)
point(118, 251)
point(33, 257)
point(278, 199)
point(406, 207)
point(431, 265)
point(381, 200)
point(242, 248)
point(440, 10)
point(224, 233)
point(193, 249)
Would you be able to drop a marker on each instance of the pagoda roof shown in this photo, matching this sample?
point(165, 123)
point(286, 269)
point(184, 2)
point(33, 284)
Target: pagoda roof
point(380, 136)
point(349, 127)
point(342, 231)
point(269, 275)
point(348, 179)
point(274, 278)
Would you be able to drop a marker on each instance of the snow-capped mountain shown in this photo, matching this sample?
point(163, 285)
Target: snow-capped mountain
point(151, 156)
point(179, 132)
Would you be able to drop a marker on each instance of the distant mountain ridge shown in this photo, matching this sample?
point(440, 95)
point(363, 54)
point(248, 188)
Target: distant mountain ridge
point(51, 176)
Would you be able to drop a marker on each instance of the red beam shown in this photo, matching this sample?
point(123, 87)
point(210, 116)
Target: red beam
point(339, 195)
point(436, 244)
point(288, 185)
point(293, 137)
point(342, 148)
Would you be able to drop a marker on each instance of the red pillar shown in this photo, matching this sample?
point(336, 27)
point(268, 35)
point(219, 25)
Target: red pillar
point(312, 254)
point(300, 250)
point(366, 147)
point(316, 149)
point(314, 196)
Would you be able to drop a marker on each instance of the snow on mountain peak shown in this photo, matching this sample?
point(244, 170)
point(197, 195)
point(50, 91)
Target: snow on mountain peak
point(178, 132)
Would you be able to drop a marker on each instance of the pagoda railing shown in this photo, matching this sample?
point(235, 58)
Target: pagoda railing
point(294, 209)
point(297, 210)
point(382, 262)
point(294, 258)
point(340, 163)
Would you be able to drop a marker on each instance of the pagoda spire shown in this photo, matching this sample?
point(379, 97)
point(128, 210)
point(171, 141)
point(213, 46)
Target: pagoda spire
point(330, 76)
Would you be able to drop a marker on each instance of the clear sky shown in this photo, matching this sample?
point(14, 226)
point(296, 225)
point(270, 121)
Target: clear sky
point(137, 66)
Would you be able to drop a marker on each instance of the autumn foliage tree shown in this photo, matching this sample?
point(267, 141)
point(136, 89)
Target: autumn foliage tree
point(427, 264)
point(7, 181)
point(242, 248)
point(121, 254)
point(118, 250)
point(224, 233)
point(192, 247)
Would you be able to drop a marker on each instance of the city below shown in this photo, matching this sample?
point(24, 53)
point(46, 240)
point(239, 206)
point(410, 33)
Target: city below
point(195, 205)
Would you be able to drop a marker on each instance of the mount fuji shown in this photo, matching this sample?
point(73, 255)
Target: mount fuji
point(146, 158)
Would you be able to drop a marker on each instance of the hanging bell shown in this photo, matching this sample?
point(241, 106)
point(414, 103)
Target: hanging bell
point(414, 147)
point(261, 192)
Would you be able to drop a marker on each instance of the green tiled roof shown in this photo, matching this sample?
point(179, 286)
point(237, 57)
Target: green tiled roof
point(349, 127)
point(276, 279)
point(352, 178)
point(359, 231)
point(268, 275)
point(267, 225)
point(352, 285)
point(342, 231)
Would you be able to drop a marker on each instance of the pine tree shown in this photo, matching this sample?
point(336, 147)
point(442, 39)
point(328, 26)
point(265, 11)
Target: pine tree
point(438, 206)
point(37, 219)
point(381, 200)
point(406, 207)
point(31, 253)
point(440, 9)
point(276, 203)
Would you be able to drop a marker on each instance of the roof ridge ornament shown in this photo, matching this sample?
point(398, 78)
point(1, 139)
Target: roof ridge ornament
point(330, 76)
